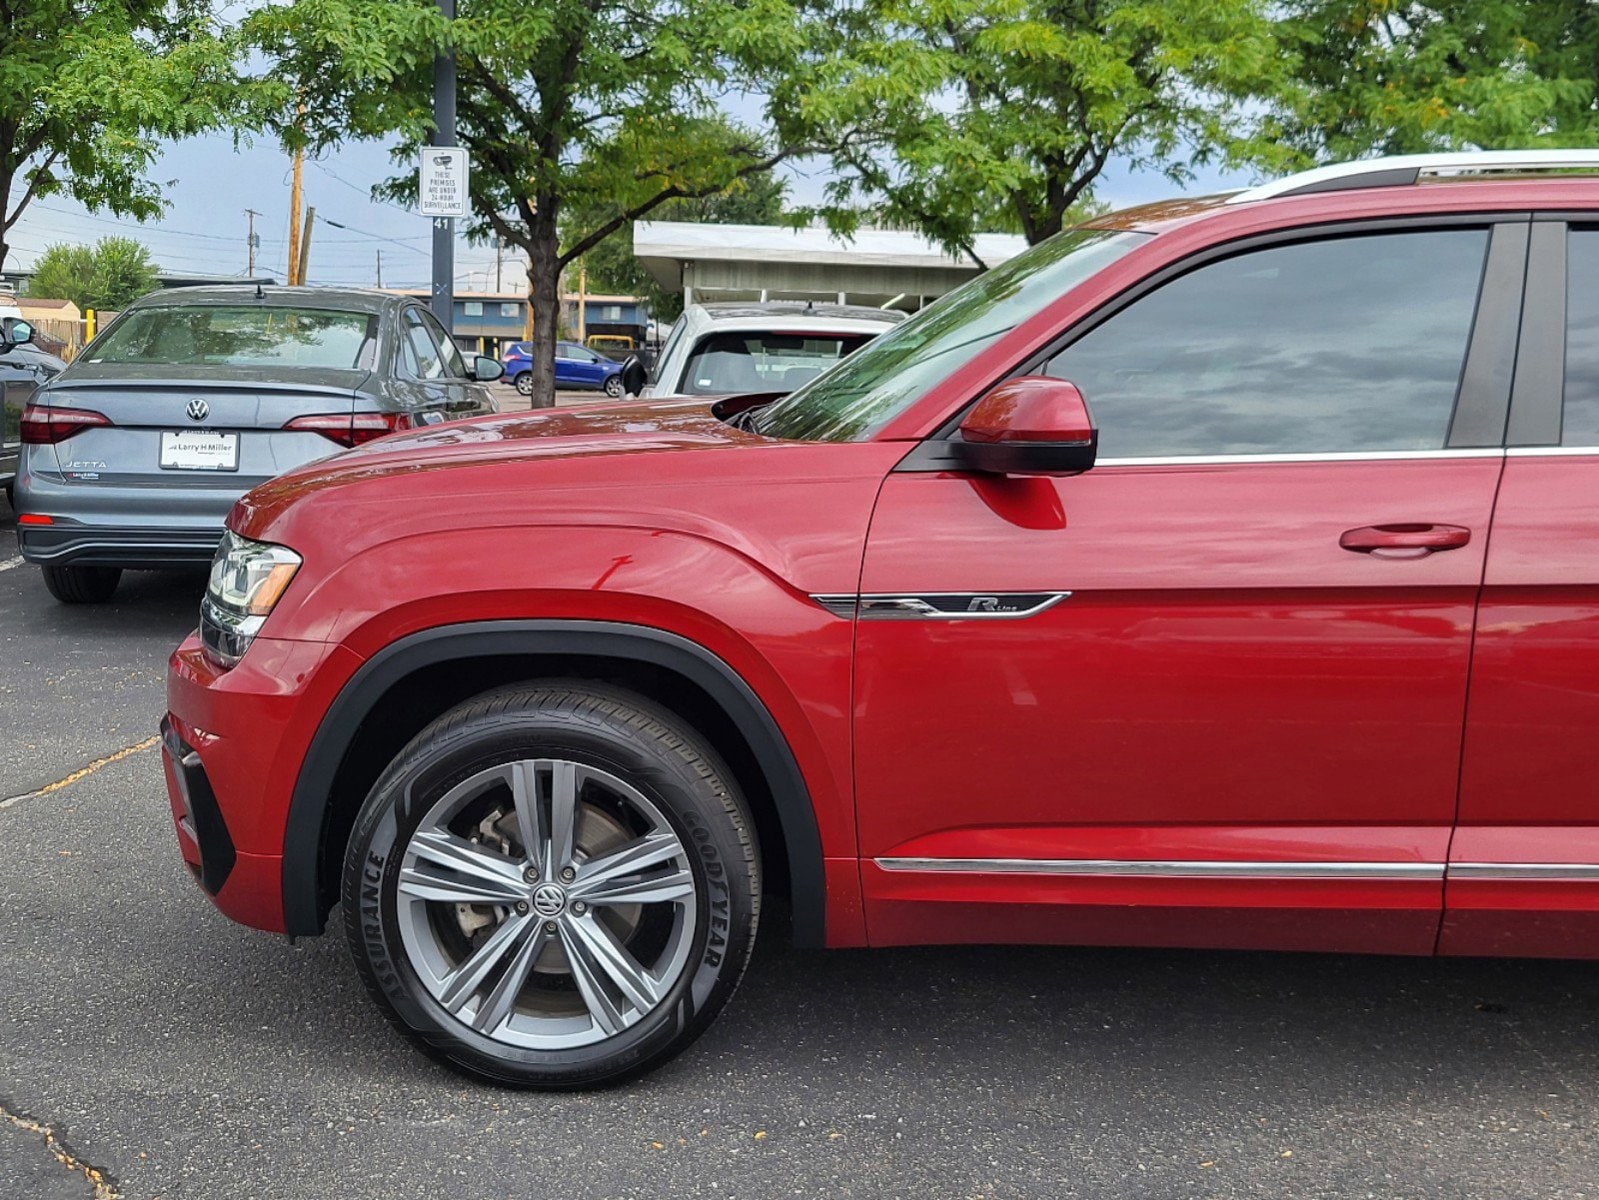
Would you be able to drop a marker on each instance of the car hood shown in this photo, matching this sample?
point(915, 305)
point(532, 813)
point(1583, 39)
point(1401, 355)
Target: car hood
point(562, 435)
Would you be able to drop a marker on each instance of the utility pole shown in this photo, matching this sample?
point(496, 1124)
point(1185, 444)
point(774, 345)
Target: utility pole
point(295, 196)
point(499, 261)
point(443, 294)
point(305, 245)
point(380, 269)
point(250, 241)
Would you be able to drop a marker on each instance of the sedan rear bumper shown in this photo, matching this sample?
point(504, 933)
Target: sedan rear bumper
point(135, 548)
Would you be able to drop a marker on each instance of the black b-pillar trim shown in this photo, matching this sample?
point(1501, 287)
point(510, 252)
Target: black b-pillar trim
point(302, 838)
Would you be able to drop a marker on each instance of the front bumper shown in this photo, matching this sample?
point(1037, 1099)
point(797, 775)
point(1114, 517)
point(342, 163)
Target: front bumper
point(232, 745)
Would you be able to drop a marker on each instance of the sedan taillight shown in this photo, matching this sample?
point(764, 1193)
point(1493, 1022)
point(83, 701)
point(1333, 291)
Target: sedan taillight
point(352, 429)
point(44, 425)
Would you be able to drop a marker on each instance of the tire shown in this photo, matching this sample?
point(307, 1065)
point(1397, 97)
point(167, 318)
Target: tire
point(82, 585)
point(524, 383)
point(613, 385)
point(478, 953)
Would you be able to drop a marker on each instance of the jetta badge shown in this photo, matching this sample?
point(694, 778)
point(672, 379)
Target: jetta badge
point(198, 409)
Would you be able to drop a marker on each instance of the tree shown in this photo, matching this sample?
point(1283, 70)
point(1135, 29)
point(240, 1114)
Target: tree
point(957, 116)
point(88, 88)
point(756, 199)
point(1403, 77)
point(116, 272)
point(561, 104)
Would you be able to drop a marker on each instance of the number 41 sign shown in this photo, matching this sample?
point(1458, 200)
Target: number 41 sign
point(442, 184)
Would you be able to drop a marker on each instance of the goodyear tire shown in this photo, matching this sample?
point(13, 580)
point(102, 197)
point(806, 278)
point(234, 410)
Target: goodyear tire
point(553, 886)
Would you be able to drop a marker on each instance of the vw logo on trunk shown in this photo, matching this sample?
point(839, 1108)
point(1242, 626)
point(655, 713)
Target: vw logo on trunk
point(198, 410)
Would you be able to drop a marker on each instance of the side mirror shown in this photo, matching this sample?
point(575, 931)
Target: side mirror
point(1030, 425)
point(486, 370)
point(14, 331)
point(635, 378)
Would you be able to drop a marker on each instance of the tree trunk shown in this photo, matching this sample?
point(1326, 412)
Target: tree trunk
point(544, 280)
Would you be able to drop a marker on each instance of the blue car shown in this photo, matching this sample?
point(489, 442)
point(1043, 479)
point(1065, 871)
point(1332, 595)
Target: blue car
point(575, 367)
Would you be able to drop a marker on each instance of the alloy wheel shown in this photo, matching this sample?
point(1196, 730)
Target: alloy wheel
point(547, 903)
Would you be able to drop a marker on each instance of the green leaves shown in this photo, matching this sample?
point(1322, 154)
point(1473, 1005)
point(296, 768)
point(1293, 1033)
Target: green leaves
point(963, 115)
point(89, 87)
point(116, 272)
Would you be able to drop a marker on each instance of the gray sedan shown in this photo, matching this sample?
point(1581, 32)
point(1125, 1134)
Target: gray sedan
point(134, 454)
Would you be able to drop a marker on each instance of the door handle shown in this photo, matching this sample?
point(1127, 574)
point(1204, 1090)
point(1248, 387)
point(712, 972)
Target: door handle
point(1404, 541)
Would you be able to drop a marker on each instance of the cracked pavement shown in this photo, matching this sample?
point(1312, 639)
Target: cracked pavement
point(185, 1057)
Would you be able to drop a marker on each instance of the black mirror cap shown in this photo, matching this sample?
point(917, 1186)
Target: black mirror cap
point(635, 378)
point(1026, 458)
point(487, 370)
point(14, 331)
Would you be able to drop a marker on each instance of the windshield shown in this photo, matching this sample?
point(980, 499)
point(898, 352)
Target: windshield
point(872, 387)
point(763, 362)
point(245, 336)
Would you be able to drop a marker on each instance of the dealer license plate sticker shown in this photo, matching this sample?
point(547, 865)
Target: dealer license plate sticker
point(199, 450)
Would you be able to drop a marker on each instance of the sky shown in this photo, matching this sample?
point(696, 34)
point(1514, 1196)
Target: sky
point(209, 183)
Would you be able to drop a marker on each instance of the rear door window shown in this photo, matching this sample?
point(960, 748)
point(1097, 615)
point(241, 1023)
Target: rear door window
point(1349, 344)
point(1580, 426)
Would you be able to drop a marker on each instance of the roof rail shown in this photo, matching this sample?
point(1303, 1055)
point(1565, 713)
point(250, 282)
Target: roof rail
point(1402, 169)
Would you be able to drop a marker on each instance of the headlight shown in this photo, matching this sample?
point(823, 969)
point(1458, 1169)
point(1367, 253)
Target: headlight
point(247, 579)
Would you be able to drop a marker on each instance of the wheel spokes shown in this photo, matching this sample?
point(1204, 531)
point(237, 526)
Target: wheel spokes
point(605, 1011)
point(563, 817)
point(463, 982)
point(619, 966)
point(452, 870)
point(631, 889)
point(637, 856)
point(496, 1008)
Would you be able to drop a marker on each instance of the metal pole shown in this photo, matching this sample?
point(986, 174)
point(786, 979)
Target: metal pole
point(443, 296)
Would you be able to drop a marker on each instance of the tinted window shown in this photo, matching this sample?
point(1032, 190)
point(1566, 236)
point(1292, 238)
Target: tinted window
point(420, 354)
point(1581, 426)
point(898, 368)
point(247, 336)
point(763, 362)
point(1348, 344)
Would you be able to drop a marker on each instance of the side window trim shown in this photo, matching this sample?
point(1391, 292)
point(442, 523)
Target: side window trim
point(933, 453)
point(1537, 401)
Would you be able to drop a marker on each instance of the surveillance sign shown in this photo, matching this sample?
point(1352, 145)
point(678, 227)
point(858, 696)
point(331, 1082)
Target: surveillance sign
point(442, 185)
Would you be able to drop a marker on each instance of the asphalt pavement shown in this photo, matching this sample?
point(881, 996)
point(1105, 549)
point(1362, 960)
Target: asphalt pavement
point(149, 1048)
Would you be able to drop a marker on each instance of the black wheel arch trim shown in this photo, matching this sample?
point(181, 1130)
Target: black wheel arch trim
point(308, 804)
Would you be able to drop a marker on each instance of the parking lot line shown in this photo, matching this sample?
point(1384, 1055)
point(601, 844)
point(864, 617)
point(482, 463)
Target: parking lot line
point(81, 772)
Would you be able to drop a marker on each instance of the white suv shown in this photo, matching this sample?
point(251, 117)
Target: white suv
point(728, 349)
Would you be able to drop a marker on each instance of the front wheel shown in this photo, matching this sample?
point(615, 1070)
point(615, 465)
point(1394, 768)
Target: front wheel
point(524, 383)
point(613, 385)
point(553, 886)
point(82, 585)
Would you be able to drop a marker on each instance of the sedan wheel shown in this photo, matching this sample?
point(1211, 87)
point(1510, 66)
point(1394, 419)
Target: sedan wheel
point(524, 383)
point(538, 888)
point(613, 385)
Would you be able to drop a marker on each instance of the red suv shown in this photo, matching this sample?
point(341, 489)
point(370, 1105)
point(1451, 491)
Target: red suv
point(1223, 573)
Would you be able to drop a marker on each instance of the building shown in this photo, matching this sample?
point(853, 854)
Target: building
point(486, 321)
point(881, 267)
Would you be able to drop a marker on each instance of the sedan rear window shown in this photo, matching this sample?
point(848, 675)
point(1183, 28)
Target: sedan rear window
point(763, 362)
point(242, 336)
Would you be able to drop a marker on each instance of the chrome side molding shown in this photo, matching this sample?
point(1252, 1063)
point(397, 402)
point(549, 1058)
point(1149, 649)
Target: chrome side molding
point(1246, 869)
point(1172, 868)
point(940, 606)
